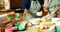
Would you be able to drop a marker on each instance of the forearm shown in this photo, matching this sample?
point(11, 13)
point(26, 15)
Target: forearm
point(57, 9)
point(45, 3)
point(45, 10)
point(45, 6)
point(6, 14)
point(24, 4)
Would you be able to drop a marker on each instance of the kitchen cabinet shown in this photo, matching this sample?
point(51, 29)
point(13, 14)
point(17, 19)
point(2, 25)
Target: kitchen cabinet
point(16, 4)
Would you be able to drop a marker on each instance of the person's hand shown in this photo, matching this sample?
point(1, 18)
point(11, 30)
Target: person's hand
point(45, 8)
point(11, 13)
point(25, 11)
point(57, 9)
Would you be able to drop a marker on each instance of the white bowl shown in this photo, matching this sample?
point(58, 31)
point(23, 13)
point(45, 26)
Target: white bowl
point(39, 13)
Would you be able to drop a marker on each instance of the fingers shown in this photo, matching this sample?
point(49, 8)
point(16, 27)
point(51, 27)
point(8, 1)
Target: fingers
point(25, 11)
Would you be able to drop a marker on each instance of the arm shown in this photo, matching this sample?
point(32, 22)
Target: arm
point(57, 9)
point(45, 6)
point(5, 15)
point(3, 19)
point(24, 4)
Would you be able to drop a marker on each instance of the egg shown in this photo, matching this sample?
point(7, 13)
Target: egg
point(39, 13)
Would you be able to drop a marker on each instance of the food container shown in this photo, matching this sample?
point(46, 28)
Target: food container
point(57, 29)
point(21, 25)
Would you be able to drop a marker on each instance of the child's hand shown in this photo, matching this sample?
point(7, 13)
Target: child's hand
point(25, 11)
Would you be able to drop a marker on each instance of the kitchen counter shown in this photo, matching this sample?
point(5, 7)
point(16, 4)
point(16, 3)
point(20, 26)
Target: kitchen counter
point(32, 29)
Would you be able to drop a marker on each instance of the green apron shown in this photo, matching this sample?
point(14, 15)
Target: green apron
point(35, 7)
point(52, 5)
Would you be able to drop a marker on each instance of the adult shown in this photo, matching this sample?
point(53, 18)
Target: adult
point(29, 8)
